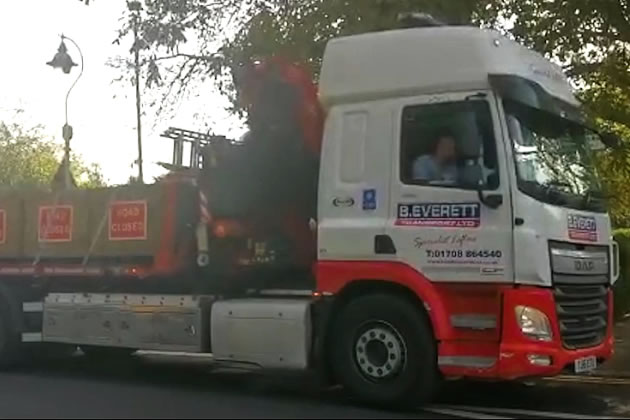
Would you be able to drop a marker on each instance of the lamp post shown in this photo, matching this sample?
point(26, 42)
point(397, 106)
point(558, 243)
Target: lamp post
point(63, 61)
point(135, 7)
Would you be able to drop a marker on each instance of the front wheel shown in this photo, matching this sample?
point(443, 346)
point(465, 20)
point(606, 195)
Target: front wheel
point(383, 351)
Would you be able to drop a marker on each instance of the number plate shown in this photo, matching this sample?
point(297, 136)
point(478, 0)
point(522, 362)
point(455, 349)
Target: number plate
point(585, 364)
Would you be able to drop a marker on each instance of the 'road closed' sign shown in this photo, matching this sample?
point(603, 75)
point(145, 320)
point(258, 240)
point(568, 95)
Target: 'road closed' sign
point(127, 220)
point(55, 223)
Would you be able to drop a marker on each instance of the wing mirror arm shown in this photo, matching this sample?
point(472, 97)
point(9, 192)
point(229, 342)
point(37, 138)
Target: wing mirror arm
point(473, 176)
point(493, 201)
point(611, 140)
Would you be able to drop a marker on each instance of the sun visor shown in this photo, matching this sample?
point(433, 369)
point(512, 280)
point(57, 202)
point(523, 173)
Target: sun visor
point(532, 94)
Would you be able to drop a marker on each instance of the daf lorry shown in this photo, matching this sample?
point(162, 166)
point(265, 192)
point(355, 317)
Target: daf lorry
point(319, 243)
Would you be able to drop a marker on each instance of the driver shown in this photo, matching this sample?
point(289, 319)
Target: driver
point(440, 164)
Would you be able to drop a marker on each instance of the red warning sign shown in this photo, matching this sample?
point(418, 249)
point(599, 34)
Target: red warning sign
point(128, 220)
point(3, 226)
point(55, 223)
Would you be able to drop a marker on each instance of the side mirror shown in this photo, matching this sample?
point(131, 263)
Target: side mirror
point(611, 140)
point(494, 201)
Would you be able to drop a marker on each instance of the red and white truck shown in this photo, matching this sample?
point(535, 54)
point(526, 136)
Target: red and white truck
point(313, 244)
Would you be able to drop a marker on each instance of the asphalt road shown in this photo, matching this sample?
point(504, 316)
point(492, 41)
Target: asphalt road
point(158, 389)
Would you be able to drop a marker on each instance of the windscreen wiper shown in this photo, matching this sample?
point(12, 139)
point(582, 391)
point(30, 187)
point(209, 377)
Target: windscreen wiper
point(595, 199)
point(543, 192)
point(557, 184)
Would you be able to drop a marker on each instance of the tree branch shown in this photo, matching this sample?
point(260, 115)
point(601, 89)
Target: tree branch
point(188, 56)
point(177, 79)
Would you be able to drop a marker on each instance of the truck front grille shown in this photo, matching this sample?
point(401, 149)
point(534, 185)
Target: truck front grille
point(582, 314)
point(581, 279)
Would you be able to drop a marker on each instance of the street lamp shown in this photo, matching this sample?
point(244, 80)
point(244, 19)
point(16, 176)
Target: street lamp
point(135, 7)
point(63, 61)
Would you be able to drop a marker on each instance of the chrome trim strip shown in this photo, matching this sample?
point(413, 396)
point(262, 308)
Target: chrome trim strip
point(286, 292)
point(571, 253)
point(474, 321)
point(477, 362)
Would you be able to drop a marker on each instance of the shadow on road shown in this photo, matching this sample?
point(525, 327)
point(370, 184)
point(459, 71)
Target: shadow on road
point(240, 391)
point(186, 376)
point(538, 396)
point(197, 378)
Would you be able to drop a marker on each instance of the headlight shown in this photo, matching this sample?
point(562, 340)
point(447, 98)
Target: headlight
point(533, 323)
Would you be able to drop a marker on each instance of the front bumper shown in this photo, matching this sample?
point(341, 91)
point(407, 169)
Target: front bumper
point(515, 348)
point(510, 355)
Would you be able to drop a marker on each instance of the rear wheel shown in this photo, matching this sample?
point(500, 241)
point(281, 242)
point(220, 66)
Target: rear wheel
point(383, 351)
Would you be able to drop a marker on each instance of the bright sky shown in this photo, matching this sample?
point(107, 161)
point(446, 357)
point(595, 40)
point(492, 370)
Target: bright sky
point(101, 111)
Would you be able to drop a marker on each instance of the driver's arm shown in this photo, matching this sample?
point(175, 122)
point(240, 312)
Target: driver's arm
point(422, 169)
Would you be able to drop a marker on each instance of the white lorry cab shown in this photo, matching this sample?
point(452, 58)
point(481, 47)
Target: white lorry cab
point(502, 236)
point(455, 229)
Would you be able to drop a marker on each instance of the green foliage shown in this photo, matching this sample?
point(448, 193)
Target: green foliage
point(87, 175)
point(231, 32)
point(591, 38)
point(622, 287)
point(614, 168)
point(28, 158)
point(302, 32)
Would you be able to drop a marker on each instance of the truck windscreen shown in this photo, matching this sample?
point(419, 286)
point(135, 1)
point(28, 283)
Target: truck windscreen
point(556, 158)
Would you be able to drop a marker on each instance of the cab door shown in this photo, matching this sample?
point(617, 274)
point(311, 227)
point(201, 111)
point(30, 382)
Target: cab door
point(354, 182)
point(456, 230)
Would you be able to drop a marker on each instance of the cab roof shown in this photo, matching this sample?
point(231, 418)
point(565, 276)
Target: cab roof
point(427, 60)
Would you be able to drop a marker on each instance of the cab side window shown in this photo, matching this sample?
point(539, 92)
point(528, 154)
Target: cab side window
point(449, 145)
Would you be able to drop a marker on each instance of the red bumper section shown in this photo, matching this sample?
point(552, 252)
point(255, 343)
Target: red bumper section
point(517, 355)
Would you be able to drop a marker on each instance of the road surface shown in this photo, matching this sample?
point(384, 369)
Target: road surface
point(166, 389)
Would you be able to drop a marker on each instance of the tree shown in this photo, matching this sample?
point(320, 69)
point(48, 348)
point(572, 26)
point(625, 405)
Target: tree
point(28, 158)
point(220, 36)
point(191, 40)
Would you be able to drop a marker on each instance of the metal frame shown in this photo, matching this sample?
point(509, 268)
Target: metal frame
point(197, 142)
point(148, 322)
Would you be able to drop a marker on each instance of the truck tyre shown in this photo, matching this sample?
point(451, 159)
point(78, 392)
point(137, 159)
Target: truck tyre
point(383, 351)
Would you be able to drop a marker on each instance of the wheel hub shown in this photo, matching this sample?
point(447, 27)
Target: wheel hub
point(380, 351)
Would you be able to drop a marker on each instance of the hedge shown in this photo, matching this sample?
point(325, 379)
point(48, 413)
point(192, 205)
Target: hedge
point(622, 287)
